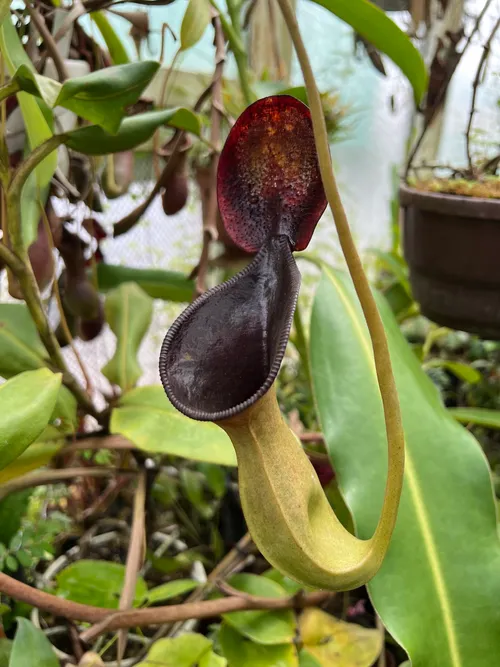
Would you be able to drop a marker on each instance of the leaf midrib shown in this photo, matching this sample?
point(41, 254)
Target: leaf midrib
point(416, 494)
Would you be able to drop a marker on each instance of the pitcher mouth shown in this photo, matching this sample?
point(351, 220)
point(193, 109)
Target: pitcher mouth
point(224, 351)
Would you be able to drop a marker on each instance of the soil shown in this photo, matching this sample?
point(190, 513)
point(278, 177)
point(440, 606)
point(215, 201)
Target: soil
point(486, 188)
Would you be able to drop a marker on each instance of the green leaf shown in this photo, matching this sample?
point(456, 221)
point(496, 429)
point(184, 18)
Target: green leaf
point(171, 589)
point(37, 131)
point(290, 586)
point(100, 97)
point(27, 402)
point(192, 484)
point(37, 455)
point(262, 627)
point(31, 644)
point(461, 371)
point(20, 347)
point(129, 311)
point(447, 520)
point(370, 22)
point(117, 51)
point(241, 652)
point(24, 558)
point(147, 418)
point(211, 660)
point(170, 564)
point(195, 22)
point(133, 131)
point(166, 285)
point(35, 84)
point(12, 511)
point(5, 650)
point(216, 478)
point(477, 416)
point(96, 582)
point(184, 651)
point(103, 96)
point(394, 265)
point(65, 411)
point(11, 563)
point(335, 643)
point(4, 9)
point(307, 660)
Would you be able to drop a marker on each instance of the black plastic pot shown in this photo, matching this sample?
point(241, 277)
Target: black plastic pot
point(452, 246)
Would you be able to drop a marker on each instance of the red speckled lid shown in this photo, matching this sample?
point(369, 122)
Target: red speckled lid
point(268, 181)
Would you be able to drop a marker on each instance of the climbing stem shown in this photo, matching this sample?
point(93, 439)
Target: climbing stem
point(25, 275)
point(392, 412)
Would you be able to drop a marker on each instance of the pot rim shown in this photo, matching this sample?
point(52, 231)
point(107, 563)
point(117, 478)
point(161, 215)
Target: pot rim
point(448, 204)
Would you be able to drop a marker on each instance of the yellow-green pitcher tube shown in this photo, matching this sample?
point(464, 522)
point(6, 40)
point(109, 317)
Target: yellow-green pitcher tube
point(287, 512)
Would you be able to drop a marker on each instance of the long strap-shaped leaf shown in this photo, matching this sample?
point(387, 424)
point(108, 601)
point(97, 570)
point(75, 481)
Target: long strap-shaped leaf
point(438, 589)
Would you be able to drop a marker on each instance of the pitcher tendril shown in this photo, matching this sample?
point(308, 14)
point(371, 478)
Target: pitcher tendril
point(220, 358)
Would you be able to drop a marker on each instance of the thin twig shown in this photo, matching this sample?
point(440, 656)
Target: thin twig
point(475, 86)
point(46, 477)
point(444, 88)
point(72, 16)
point(135, 557)
point(210, 208)
point(182, 612)
point(112, 442)
point(162, 104)
point(49, 42)
point(235, 560)
point(477, 23)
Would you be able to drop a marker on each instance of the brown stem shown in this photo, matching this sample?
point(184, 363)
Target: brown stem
point(475, 85)
point(189, 610)
point(135, 556)
point(54, 476)
point(115, 442)
point(49, 42)
point(210, 209)
point(231, 562)
point(110, 620)
point(162, 104)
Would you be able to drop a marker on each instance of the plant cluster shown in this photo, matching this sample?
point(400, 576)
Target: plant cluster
point(256, 516)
